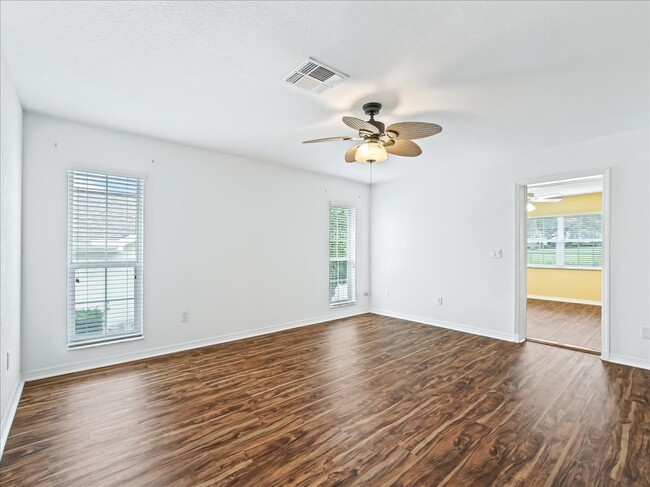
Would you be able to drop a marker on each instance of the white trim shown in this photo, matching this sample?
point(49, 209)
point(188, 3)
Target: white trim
point(521, 260)
point(521, 265)
point(154, 352)
point(450, 326)
point(532, 215)
point(629, 361)
point(605, 265)
point(572, 177)
point(564, 267)
point(565, 300)
point(343, 304)
point(105, 342)
point(92, 169)
point(9, 415)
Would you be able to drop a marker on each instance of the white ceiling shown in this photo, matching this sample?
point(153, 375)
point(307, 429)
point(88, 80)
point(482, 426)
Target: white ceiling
point(500, 77)
point(568, 188)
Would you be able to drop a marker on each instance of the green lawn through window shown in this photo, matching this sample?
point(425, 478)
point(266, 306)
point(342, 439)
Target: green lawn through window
point(573, 257)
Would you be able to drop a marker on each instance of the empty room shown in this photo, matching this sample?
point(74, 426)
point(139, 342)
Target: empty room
point(324, 243)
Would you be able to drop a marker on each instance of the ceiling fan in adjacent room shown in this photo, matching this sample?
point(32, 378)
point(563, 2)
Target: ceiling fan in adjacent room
point(547, 198)
point(379, 140)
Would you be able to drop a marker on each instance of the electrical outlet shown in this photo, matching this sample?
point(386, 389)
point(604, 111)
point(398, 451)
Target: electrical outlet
point(185, 316)
point(365, 293)
point(388, 294)
point(645, 333)
point(439, 301)
point(497, 253)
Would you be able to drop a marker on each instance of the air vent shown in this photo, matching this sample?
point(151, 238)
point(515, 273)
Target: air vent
point(314, 76)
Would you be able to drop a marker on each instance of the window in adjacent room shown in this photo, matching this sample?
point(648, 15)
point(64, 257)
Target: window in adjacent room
point(105, 258)
point(566, 241)
point(342, 249)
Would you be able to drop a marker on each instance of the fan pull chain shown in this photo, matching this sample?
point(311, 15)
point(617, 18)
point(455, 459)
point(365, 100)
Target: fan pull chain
point(370, 173)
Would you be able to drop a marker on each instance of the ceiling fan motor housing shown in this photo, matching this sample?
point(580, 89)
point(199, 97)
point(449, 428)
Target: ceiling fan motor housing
point(371, 109)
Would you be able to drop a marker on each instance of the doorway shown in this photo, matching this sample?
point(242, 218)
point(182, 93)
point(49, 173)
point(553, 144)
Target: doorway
point(562, 261)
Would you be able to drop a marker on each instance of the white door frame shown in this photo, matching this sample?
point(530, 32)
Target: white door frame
point(521, 258)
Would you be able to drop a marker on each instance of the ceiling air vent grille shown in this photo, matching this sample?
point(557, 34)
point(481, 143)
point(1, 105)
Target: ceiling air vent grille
point(314, 76)
point(307, 67)
point(294, 77)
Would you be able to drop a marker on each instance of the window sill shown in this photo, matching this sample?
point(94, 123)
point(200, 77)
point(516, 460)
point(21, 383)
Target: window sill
point(565, 267)
point(342, 305)
point(107, 342)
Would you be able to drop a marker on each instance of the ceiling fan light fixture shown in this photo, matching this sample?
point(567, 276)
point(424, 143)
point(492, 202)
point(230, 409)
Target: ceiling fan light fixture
point(379, 140)
point(372, 151)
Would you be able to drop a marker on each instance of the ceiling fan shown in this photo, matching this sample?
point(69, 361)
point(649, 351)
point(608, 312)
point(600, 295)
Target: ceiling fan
point(379, 140)
point(548, 198)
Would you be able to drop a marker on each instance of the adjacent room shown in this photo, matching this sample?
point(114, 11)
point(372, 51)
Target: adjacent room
point(320, 243)
point(565, 262)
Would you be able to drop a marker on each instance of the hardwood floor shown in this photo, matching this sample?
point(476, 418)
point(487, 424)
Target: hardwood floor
point(566, 323)
point(368, 400)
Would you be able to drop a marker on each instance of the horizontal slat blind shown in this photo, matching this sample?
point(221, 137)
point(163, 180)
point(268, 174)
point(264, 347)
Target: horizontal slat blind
point(566, 241)
point(542, 238)
point(342, 252)
point(583, 240)
point(105, 258)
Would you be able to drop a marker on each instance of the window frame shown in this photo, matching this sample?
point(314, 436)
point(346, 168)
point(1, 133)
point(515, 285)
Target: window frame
point(557, 266)
point(137, 264)
point(351, 270)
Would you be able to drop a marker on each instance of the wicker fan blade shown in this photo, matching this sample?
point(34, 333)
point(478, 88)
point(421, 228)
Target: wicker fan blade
point(412, 130)
point(352, 151)
point(404, 148)
point(358, 124)
point(330, 139)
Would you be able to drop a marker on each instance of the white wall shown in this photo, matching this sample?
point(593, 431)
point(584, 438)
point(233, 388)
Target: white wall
point(241, 244)
point(212, 246)
point(432, 237)
point(11, 114)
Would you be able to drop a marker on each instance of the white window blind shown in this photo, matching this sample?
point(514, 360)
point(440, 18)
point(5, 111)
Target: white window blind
point(105, 258)
point(566, 241)
point(342, 250)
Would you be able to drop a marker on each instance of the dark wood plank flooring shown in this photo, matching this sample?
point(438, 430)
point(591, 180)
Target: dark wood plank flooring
point(368, 401)
point(573, 324)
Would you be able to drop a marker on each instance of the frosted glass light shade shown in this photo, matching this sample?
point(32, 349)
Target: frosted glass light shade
point(371, 152)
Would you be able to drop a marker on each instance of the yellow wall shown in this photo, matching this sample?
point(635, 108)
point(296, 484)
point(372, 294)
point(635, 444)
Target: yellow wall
point(566, 283)
point(581, 203)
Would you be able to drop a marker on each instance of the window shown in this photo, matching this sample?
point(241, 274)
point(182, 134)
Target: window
point(566, 241)
point(105, 258)
point(342, 275)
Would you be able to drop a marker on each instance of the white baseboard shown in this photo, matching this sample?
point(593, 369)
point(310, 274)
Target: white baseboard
point(630, 361)
point(451, 326)
point(565, 300)
point(154, 352)
point(8, 417)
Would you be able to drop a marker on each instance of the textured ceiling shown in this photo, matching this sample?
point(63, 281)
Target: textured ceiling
point(501, 78)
